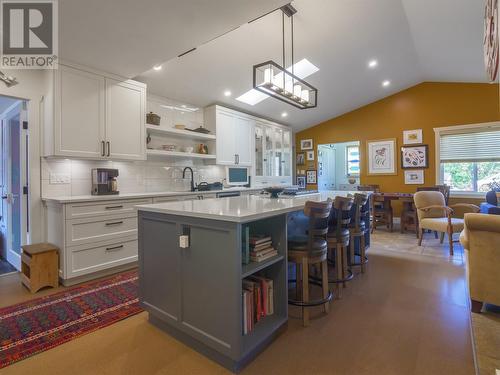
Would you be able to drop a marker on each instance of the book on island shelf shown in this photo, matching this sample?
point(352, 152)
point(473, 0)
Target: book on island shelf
point(259, 239)
point(257, 301)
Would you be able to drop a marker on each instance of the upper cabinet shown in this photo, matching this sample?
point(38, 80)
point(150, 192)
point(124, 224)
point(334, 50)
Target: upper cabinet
point(234, 130)
point(90, 115)
point(125, 116)
point(273, 153)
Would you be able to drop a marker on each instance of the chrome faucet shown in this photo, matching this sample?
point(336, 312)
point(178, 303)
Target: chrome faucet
point(192, 176)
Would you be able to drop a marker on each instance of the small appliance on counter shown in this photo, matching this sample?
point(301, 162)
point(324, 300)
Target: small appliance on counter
point(104, 181)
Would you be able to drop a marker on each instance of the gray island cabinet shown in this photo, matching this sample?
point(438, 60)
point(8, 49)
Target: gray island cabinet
point(194, 292)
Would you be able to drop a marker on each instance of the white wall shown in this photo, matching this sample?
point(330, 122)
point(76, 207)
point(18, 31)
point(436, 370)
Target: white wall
point(134, 177)
point(31, 87)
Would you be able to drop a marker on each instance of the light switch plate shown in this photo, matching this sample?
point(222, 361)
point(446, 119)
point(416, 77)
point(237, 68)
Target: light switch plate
point(59, 178)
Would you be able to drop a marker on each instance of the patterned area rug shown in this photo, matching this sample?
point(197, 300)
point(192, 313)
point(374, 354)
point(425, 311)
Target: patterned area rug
point(32, 327)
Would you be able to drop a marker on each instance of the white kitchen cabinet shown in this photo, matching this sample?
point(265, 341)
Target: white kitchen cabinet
point(125, 127)
point(234, 130)
point(79, 113)
point(273, 154)
point(93, 115)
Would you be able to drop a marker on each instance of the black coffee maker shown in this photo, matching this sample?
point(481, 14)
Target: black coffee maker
point(104, 181)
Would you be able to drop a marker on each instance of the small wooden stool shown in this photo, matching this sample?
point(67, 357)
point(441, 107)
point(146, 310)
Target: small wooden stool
point(40, 266)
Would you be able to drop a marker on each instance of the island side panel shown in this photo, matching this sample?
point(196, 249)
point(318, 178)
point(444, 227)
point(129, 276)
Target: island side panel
point(159, 266)
point(204, 278)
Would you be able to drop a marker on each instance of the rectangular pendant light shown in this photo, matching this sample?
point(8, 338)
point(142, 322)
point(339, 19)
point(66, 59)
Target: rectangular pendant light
point(274, 80)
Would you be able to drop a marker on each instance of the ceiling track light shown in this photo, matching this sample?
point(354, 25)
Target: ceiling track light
point(274, 80)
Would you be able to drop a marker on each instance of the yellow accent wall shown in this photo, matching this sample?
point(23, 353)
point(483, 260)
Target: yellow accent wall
point(425, 106)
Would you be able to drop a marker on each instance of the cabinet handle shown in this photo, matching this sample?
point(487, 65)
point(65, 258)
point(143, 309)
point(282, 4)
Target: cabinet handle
point(109, 148)
point(103, 148)
point(114, 248)
point(238, 158)
point(113, 207)
point(114, 223)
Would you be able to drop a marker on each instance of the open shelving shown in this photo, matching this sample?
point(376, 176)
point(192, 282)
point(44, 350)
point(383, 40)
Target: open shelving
point(179, 154)
point(153, 129)
point(253, 267)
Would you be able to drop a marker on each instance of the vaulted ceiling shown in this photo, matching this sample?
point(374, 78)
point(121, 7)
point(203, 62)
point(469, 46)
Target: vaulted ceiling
point(128, 37)
point(413, 41)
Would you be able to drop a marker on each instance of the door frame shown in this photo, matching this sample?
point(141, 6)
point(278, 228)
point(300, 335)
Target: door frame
point(19, 108)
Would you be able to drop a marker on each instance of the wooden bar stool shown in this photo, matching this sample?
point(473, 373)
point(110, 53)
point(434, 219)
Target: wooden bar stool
point(358, 229)
point(40, 266)
point(311, 249)
point(338, 241)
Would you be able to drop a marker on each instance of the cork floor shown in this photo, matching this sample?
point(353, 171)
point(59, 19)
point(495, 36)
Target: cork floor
point(407, 315)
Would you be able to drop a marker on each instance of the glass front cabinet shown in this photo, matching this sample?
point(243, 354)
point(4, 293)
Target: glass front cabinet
point(273, 154)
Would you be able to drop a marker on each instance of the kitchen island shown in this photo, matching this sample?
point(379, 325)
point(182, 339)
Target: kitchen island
point(191, 271)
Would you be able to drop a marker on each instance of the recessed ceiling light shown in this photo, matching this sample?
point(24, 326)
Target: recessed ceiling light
point(372, 64)
point(386, 83)
point(157, 67)
point(284, 114)
point(227, 93)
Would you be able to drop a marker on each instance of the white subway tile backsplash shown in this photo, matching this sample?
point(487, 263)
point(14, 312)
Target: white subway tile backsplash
point(134, 177)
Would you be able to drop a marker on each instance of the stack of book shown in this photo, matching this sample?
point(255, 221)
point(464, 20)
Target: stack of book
point(258, 301)
point(261, 248)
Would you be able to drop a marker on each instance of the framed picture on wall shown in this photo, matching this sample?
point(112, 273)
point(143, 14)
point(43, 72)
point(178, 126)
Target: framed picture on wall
point(306, 144)
point(301, 182)
point(414, 157)
point(310, 155)
point(414, 177)
point(381, 157)
point(311, 177)
point(301, 158)
point(412, 137)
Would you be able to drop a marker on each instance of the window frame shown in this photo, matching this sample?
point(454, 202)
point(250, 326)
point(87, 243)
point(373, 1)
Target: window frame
point(347, 161)
point(438, 132)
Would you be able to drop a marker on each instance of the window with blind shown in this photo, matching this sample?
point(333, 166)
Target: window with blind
point(470, 159)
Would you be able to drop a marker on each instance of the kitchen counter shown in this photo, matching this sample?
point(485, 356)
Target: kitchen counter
point(92, 198)
point(239, 209)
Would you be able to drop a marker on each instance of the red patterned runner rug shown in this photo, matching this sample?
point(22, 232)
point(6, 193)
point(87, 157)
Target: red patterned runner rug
point(40, 324)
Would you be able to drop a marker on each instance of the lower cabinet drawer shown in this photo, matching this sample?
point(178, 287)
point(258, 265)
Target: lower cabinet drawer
point(83, 231)
point(96, 258)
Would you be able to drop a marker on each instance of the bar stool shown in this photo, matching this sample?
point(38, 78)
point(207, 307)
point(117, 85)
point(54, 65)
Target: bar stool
point(311, 249)
point(338, 241)
point(358, 229)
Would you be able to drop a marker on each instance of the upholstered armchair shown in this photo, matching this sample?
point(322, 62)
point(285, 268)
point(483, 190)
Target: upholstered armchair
point(481, 240)
point(435, 215)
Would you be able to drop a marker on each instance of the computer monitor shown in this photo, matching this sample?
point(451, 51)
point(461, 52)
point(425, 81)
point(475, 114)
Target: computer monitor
point(237, 176)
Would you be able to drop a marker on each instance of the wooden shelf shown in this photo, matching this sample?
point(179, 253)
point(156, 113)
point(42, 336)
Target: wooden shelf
point(252, 267)
point(178, 133)
point(179, 154)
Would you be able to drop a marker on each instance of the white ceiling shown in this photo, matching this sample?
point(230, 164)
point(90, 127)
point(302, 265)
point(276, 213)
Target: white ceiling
point(413, 40)
point(128, 37)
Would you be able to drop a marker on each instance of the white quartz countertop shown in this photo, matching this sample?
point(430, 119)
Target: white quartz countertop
point(92, 198)
point(240, 209)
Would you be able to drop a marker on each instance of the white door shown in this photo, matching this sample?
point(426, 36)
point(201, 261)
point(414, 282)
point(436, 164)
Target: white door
point(14, 184)
point(125, 120)
point(79, 122)
point(225, 141)
point(326, 168)
point(244, 141)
